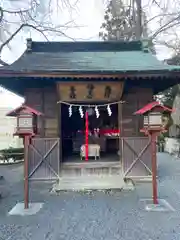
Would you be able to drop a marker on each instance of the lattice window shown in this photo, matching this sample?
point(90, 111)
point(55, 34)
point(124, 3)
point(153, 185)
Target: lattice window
point(25, 122)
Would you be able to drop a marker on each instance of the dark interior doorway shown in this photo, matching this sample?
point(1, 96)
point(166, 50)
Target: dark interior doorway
point(69, 128)
point(73, 133)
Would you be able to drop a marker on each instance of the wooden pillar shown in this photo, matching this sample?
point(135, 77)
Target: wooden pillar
point(43, 110)
point(154, 167)
point(26, 171)
point(59, 119)
point(86, 136)
point(60, 130)
point(120, 126)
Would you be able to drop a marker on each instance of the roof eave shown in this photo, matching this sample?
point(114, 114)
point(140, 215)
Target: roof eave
point(150, 106)
point(14, 112)
point(79, 74)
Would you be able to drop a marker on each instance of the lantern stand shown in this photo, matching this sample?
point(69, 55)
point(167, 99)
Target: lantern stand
point(153, 136)
point(26, 170)
point(26, 128)
point(153, 126)
point(86, 136)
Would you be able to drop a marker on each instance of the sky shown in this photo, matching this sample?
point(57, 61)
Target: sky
point(9, 100)
point(88, 27)
point(88, 31)
point(88, 15)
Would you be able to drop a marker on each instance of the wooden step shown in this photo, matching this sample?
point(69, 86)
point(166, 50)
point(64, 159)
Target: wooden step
point(91, 168)
point(90, 171)
point(89, 183)
point(92, 164)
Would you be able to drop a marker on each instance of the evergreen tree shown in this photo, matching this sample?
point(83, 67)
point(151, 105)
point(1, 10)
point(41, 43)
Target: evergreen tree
point(171, 98)
point(168, 96)
point(120, 22)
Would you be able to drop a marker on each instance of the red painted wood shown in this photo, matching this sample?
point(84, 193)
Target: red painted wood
point(86, 138)
point(23, 108)
point(26, 180)
point(151, 106)
point(154, 166)
point(105, 131)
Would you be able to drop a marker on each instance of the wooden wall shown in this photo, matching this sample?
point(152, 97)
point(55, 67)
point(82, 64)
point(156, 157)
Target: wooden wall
point(135, 99)
point(44, 100)
point(34, 99)
point(94, 91)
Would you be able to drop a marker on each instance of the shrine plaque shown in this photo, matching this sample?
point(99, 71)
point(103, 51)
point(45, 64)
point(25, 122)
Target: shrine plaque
point(89, 91)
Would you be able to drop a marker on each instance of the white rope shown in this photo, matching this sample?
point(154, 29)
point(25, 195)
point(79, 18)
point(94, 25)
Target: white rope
point(90, 105)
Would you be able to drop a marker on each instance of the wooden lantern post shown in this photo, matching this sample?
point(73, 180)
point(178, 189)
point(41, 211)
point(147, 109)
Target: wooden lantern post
point(86, 136)
point(153, 136)
point(26, 171)
point(153, 126)
point(26, 128)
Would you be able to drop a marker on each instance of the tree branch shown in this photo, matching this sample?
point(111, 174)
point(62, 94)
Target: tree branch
point(37, 28)
point(1, 14)
point(3, 63)
point(162, 15)
point(166, 26)
point(168, 45)
point(17, 11)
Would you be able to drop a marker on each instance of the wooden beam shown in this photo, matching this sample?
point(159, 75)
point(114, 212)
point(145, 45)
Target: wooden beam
point(59, 75)
point(120, 126)
point(99, 75)
point(82, 93)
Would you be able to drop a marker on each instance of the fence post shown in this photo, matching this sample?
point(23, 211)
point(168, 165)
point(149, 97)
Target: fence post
point(160, 146)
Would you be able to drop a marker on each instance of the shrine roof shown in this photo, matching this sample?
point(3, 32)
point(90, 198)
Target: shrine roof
point(82, 57)
point(14, 112)
point(151, 106)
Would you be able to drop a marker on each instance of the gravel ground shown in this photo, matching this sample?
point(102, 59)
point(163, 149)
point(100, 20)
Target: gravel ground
point(96, 216)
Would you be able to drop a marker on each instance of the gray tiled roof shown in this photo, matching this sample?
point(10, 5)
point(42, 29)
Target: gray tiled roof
point(87, 56)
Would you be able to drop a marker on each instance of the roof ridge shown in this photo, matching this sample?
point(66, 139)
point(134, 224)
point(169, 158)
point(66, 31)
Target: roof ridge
point(83, 46)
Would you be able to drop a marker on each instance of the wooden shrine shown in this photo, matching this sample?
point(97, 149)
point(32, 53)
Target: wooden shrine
point(110, 80)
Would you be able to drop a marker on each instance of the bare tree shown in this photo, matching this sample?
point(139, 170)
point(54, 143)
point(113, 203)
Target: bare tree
point(164, 22)
point(35, 15)
point(160, 17)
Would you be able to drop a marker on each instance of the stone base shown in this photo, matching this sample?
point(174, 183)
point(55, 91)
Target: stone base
point(92, 183)
point(162, 206)
point(128, 184)
point(19, 209)
point(10, 162)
